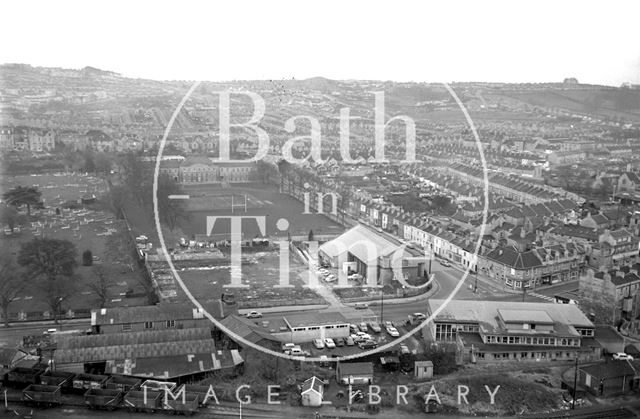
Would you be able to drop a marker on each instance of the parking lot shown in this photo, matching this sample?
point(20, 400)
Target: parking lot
point(355, 345)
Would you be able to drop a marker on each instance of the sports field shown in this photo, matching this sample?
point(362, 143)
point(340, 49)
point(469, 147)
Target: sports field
point(251, 202)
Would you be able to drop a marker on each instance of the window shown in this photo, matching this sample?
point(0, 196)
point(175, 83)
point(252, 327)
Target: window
point(533, 326)
point(126, 327)
point(148, 325)
point(171, 323)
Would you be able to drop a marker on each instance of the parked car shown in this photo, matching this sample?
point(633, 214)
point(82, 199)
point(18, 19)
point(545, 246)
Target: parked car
point(288, 346)
point(331, 278)
point(403, 349)
point(253, 315)
point(444, 263)
point(318, 343)
point(363, 327)
point(329, 343)
point(368, 344)
point(360, 336)
point(621, 356)
point(349, 341)
point(375, 327)
point(388, 324)
point(393, 332)
point(419, 317)
point(339, 341)
point(353, 328)
point(355, 277)
point(361, 306)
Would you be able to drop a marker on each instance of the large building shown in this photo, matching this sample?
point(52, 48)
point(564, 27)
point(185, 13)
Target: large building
point(376, 255)
point(497, 331)
point(533, 267)
point(198, 170)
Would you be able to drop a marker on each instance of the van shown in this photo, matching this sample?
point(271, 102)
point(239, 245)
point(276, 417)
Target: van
point(361, 306)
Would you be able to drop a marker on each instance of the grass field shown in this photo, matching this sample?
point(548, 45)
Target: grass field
point(260, 202)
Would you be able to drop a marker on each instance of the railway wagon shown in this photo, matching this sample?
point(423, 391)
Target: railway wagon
point(42, 395)
point(22, 377)
point(189, 407)
point(201, 392)
point(97, 398)
point(125, 384)
point(61, 379)
point(83, 382)
point(138, 401)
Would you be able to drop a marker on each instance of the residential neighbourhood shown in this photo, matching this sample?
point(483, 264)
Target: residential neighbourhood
point(317, 247)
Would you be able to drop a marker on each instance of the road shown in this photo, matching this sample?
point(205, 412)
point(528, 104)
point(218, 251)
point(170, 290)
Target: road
point(447, 277)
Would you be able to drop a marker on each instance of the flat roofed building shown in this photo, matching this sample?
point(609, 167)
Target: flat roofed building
point(499, 330)
point(305, 327)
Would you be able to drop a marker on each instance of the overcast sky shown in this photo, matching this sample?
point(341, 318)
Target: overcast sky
point(508, 41)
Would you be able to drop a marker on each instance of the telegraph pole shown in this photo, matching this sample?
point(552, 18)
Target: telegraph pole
point(382, 304)
point(575, 384)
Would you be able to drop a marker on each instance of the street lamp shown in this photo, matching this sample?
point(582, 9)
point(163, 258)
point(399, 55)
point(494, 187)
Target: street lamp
point(59, 308)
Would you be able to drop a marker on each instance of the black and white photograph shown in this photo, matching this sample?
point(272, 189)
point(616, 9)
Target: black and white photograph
point(319, 209)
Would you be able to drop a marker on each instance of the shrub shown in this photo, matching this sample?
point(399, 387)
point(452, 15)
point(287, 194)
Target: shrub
point(87, 258)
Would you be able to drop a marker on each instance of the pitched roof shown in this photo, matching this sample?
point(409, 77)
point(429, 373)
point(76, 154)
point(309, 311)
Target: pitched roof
point(355, 368)
point(612, 369)
point(159, 312)
point(312, 384)
point(518, 260)
point(247, 329)
point(358, 240)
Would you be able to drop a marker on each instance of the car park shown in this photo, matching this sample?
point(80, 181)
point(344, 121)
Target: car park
point(329, 343)
point(363, 327)
point(375, 327)
point(621, 356)
point(339, 341)
point(253, 315)
point(349, 341)
point(318, 343)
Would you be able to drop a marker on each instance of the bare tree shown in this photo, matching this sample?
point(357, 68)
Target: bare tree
point(101, 285)
point(12, 283)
